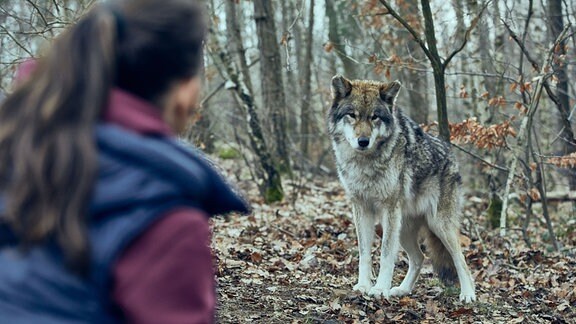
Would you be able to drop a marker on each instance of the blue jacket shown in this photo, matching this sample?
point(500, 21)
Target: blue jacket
point(140, 179)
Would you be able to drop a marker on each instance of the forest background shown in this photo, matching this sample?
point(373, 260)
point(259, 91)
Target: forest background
point(496, 78)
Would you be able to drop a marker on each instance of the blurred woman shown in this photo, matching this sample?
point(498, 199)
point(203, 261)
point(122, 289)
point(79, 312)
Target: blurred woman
point(103, 214)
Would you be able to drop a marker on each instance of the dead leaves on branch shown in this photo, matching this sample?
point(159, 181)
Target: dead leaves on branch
point(470, 131)
point(566, 161)
point(384, 65)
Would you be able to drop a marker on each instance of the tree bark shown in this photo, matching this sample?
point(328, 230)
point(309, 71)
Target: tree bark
point(487, 65)
point(292, 32)
point(417, 80)
point(271, 78)
point(271, 186)
point(336, 40)
point(236, 42)
point(306, 105)
point(556, 23)
point(438, 69)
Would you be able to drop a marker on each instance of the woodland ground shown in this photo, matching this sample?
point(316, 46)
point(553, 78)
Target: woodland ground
point(296, 262)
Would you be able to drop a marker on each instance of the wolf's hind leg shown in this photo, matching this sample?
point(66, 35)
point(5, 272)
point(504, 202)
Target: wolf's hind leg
point(447, 232)
point(364, 223)
point(409, 242)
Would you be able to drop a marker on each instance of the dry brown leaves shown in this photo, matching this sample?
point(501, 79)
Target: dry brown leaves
point(483, 137)
point(566, 161)
point(297, 262)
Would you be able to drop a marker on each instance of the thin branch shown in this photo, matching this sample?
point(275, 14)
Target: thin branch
point(497, 167)
point(466, 35)
point(221, 85)
point(16, 41)
point(515, 37)
point(409, 28)
point(544, 75)
point(488, 75)
point(298, 15)
point(343, 54)
point(212, 93)
point(287, 34)
point(56, 6)
point(541, 180)
point(38, 11)
point(533, 62)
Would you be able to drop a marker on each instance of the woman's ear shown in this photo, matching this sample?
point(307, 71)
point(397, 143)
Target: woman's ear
point(183, 103)
point(188, 93)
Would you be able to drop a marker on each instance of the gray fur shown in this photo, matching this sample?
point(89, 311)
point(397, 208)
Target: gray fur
point(404, 178)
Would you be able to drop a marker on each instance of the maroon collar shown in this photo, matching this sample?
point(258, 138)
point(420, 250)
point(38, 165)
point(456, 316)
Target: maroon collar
point(135, 114)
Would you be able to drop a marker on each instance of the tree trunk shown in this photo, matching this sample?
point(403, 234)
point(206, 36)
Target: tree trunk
point(335, 39)
point(291, 29)
point(438, 69)
point(417, 84)
point(271, 77)
point(556, 23)
point(271, 186)
point(487, 65)
point(236, 43)
point(440, 89)
point(198, 131)
point(306, 106)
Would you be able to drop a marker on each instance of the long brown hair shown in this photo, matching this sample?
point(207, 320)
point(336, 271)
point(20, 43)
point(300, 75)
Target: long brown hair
point(48, 158)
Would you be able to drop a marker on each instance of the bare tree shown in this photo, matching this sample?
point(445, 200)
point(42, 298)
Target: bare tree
point(271, 78)
point(439, 65)
point(230, 62)
point(271, 184)
point(26, 25)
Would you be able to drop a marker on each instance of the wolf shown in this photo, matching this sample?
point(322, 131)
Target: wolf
point(396, 174)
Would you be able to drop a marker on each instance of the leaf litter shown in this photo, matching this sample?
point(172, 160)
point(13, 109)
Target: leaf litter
point(296, 262)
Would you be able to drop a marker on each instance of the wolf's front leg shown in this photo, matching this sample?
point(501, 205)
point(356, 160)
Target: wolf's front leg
point(391, 224)
point(364, 223)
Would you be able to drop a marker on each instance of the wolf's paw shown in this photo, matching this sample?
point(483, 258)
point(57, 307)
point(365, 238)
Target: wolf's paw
point(467, 297)
point(399, 292)
point(362, 287)
point(379, 292)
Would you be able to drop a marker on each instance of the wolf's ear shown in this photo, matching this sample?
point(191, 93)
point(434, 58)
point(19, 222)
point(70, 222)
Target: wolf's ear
point(389, 92)
point(341, 87)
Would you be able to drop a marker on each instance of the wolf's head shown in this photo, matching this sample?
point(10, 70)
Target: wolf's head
point(362, 112)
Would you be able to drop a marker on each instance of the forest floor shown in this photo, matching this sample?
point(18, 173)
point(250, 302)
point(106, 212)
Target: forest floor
point(296, 262)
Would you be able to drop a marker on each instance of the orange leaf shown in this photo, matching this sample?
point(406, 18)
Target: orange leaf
point(534, 194)
point(256, 257)
point(284, 40)
point(463, 93)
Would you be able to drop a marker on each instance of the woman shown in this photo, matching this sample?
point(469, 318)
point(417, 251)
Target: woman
point(103, 215)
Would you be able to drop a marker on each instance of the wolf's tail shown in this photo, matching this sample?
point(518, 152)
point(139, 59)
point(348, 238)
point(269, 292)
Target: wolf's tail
point(441, 259)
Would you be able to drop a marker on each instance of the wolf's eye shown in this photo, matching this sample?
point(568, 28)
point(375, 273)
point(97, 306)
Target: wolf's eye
point(374, 117)
point(352, 115)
